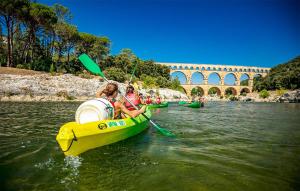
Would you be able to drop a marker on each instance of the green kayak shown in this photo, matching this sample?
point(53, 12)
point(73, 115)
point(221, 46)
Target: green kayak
point(182, 102)
point(153, 106)
point(194, 105)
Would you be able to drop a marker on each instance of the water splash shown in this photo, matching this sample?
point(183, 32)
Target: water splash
point(49, 164)
point(71, 169)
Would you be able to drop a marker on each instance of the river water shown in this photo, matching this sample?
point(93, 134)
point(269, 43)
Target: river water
point(223, 146)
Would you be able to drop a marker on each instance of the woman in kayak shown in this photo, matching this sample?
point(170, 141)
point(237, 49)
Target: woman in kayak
point(132, 97)
point(110, 93)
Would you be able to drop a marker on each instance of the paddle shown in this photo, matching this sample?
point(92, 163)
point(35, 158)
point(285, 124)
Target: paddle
point(91, 66)
point(133, 72)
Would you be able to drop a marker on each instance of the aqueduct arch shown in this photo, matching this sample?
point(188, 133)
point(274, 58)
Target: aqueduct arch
point(222, 70)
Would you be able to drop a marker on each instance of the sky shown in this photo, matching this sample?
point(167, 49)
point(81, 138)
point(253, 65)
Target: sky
point(234, 32)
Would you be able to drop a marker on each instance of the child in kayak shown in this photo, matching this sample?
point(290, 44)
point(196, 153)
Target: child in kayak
point(110, 93)
point(132, 97)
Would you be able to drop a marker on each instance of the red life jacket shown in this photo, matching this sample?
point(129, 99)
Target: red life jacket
point(148, 100)
point(158, 100)
point(133, 99)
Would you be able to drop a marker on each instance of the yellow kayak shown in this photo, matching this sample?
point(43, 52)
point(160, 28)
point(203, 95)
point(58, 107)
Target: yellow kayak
point(75, 138)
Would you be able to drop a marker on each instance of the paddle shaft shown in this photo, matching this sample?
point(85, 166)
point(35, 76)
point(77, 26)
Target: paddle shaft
point(132, 73)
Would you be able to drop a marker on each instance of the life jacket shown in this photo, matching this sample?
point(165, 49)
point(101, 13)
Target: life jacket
point(133, 99)
point(148, 100)
point(158, 100)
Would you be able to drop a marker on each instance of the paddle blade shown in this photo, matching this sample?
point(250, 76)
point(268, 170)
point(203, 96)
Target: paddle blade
point(162, 130)
point(90, 65)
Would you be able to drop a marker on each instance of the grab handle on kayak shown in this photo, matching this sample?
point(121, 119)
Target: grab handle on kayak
point(74, 139)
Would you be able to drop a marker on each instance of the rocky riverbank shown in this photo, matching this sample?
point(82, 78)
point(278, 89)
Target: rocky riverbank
point(24, 85)
point(27, 85)
point(287, 97)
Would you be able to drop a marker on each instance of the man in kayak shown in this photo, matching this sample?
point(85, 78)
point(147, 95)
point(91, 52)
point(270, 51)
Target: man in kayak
point(110, 93)
point(132, 97)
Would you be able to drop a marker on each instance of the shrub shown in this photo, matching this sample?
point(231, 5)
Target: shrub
point(20, 66)
point(280, 92)
point(163, 82)
point(85, 75)
point(115, 74)
point(65, 95)
point(52, 69)
point(40, 64)
point(233, 98)
point(264, 94)
point(148, 81)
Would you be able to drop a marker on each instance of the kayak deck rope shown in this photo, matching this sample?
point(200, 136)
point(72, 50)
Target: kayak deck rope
point(74, 139)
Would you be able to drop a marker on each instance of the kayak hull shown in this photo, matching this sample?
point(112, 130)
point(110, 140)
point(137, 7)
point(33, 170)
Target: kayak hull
point(182, 102)
point(162, 105)
point(194, 105)
point(75, 138)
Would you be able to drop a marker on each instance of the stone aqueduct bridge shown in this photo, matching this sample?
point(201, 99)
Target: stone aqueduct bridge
point(222, 71)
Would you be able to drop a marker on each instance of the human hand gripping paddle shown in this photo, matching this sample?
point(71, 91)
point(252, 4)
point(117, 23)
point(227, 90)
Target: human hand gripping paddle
point(91, 66)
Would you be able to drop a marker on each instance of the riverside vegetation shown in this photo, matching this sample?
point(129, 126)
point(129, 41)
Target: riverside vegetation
point(42, 38)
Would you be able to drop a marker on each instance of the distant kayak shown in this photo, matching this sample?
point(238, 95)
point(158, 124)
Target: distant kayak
point(194, 105)
point(152, 106)
point(182, 102)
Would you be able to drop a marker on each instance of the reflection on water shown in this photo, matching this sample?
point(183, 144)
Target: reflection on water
point(223, 146)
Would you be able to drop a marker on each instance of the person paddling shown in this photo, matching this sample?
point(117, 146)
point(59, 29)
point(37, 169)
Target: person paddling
point(132, 97)
point(158, 100)
point(110, 93)
point(148, 100)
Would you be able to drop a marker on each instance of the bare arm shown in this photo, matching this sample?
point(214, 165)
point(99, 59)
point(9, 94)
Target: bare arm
point(133, 113)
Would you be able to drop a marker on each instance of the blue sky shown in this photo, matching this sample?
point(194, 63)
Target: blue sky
point(236, 32)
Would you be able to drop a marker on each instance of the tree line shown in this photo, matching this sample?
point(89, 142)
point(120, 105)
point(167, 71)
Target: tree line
point(282, 76)
point(39, 37)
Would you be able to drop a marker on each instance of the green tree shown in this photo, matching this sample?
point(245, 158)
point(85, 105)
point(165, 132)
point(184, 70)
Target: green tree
point(175, 85)
point(197, 91)
point(96, 47)
point(163, 82)
point(148, 81)
point(213, 91)
point(63, 13)
point(285, 76)
point(245, 82)
point(2, 49)
point(228, 91)
point(67, 37)
point(11, 11)
point(39, 22)
point(115, 74)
